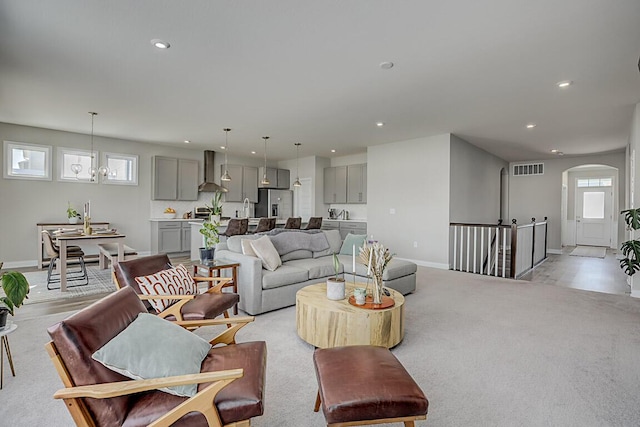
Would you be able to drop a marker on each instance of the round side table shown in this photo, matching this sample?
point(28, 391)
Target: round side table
point(4, 348)
point(325, 323)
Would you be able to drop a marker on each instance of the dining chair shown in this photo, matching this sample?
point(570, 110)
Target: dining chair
point(315, 223)
point(53, 251)
point(293, 223)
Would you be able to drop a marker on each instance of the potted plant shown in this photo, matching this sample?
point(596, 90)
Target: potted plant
point(15, 288)
point(335, 285)
point(72, 214)
point(210, 228)
point(631, 248)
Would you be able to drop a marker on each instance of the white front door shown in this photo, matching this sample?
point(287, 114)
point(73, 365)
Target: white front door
point(593, 216)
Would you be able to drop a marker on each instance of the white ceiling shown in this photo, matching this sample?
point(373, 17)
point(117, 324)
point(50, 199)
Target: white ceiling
point(308, 71)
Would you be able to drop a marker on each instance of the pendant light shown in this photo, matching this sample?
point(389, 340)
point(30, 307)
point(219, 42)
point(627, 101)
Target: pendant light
point(265, 180)
point(102, 170)
point(297, 182)
point(225, 176)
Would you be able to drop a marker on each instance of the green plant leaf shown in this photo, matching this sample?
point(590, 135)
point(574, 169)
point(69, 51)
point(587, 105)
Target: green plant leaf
point(629, 266)
point(16, 288)
point(632, 218)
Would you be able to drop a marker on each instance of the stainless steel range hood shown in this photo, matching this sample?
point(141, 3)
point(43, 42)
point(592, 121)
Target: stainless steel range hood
point(210, 174)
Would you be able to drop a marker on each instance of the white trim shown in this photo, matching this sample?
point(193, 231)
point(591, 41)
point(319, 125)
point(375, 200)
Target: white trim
point(84, 175)
point(133, 158)
point(19, 264)
point(427, 263)
point(554, 251)
point(7, 168)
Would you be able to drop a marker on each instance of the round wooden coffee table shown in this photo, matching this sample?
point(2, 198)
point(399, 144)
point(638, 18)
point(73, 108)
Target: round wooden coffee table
point(325, 323)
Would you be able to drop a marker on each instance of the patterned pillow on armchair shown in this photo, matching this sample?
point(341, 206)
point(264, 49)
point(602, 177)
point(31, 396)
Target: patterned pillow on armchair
point(174, 281)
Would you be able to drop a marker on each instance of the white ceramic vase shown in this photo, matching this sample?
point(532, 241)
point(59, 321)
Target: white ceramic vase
point(74, 220)
point(335, 289)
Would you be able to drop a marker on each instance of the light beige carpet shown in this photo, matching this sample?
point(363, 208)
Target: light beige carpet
point(590, 251)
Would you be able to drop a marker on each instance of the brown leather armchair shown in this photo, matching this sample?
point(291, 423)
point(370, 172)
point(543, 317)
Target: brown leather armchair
point(207, 305)
point(231, 380)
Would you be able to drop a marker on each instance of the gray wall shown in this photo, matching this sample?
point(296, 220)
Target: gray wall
point(541, 195)
point(474, 191)
point(24, 203)
point(411, 177)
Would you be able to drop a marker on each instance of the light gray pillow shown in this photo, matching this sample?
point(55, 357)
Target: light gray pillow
point(151, 347)
point(265, 250)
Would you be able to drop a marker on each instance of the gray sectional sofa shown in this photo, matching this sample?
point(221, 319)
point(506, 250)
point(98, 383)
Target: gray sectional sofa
point(262, 290)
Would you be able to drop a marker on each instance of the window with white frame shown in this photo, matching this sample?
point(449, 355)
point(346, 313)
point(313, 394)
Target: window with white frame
point(27, 161)
point(594, 182)
point(75, 165)
point(123, 169)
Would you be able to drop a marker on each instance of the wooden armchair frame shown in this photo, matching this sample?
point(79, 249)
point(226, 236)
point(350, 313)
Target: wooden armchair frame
point(202, 402)
point(175, 309)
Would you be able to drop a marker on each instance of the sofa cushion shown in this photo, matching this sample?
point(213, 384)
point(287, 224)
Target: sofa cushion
point(299, 254)
point(395, 269)
point(335, 243)
point(247, 249)
point(234, 243)
point(265, 250)
point(283, 276)
point(146, 349)
point(318, 267)
point(350, 241)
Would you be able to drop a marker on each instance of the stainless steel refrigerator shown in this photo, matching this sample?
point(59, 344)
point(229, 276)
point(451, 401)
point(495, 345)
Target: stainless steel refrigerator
point(274, 203)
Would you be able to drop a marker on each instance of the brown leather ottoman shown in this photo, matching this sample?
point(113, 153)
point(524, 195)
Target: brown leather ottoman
point(362, 385)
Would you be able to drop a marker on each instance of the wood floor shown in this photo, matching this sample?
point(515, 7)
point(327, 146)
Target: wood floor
point(591, 274)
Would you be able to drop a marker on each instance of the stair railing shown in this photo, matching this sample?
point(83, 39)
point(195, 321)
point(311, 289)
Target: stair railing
point(498, 250)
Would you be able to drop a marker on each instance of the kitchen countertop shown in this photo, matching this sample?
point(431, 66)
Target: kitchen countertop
point(346, 220)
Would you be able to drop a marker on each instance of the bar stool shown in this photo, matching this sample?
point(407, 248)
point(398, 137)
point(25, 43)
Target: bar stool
point(236, 226)
point(293, 223)
point(315, 222)
point(265, 224)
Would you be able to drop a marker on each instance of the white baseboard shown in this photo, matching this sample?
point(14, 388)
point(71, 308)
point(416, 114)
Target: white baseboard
point(19, 264)
point(427, 263)
point(635, 293)
point(554, 251)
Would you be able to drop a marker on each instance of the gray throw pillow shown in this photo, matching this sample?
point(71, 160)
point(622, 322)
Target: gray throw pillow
point(151, 347)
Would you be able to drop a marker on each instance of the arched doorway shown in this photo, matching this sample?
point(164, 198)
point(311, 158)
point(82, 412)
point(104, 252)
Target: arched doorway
point(589, 205)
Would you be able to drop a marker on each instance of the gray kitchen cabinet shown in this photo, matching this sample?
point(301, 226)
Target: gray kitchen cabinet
point(284, 179)
point(165, 178)
point(345, 227)
point(335, 184)
point(243, 184)
point(174, 179)
point(278, 178)
point(170, 237)
point(187, 179)
point(357, 183)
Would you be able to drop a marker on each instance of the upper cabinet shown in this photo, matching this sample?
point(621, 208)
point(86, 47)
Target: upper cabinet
point(174, 179)
point(243, 184)
point(278, 178)
point(357, 183)
point(335, 184)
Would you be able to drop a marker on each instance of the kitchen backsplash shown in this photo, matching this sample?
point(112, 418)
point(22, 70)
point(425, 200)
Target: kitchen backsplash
point(355, 211)
point(228, 209)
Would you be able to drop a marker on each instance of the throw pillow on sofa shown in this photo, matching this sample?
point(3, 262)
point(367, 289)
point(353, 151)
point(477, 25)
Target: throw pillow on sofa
point(247, 249)
point(267, 253)
point(350, 241)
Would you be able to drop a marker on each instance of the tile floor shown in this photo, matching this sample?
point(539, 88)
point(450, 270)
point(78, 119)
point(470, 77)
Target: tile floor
point(591, 274)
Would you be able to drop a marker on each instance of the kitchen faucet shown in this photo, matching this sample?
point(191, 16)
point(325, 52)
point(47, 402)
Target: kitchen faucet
point(245, 210)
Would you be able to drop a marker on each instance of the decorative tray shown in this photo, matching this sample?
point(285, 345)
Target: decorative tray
point(369, 305)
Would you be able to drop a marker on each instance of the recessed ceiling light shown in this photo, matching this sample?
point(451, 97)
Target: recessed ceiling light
point(333, 151)
point(555, 150)
point(186, 141)
point(565, 83)
point(531, 125)
point(160, 44)
point(253, 152)
point(223, 147)
point(380, 124)
point(386, 65)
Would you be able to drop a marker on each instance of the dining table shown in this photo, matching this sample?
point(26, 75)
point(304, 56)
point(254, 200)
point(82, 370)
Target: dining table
point(96, 238)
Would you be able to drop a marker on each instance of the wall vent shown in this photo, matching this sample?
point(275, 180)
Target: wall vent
point(528, 169)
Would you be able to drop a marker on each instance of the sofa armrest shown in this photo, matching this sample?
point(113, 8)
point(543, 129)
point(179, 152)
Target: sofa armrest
point(249, 279)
